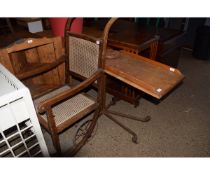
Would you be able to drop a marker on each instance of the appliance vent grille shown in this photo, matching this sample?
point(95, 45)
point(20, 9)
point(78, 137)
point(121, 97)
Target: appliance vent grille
point(20, 140)
point(20, 131)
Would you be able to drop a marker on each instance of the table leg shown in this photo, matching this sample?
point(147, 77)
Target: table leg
point(111, 114)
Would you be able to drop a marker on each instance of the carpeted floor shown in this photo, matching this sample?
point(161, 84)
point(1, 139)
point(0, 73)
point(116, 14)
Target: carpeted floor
point(180, 125)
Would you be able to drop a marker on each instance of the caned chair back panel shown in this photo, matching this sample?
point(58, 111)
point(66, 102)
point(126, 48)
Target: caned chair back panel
point(83, 56)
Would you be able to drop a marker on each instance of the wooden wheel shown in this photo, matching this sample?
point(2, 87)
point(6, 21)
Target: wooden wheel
point(82, 130)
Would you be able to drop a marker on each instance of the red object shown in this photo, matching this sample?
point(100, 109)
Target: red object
point(58, 25)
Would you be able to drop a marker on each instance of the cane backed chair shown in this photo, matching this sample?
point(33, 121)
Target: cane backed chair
point(64, 107)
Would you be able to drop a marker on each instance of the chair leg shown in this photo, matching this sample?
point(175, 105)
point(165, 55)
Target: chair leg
point(56, 143)
point(53, 131)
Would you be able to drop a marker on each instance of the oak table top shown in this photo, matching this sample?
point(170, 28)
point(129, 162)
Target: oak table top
point(151, 77)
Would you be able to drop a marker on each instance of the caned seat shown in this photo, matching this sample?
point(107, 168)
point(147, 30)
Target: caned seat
point(80, 103)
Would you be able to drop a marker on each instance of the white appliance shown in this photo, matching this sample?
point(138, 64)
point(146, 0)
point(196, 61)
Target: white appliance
point(20, 132)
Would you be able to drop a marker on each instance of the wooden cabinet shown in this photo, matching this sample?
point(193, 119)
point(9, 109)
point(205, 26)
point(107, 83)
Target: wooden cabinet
point(37, 62)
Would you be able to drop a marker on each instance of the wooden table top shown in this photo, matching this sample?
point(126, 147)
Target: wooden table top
point(149, 76)
point(129, 33)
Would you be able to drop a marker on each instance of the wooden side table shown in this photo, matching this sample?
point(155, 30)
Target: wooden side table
point(161, 44)
point(128, 42)
point(148, 76)
point(119, 89)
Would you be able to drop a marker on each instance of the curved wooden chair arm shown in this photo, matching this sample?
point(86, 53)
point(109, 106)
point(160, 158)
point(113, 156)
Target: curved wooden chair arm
point(45, 105)
point(68, 24)
point(105, 37)
point(66, 30)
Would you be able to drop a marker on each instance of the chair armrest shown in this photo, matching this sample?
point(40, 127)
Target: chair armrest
point(44, 105)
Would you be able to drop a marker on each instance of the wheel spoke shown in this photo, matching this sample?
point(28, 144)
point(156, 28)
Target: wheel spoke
point(82, 130)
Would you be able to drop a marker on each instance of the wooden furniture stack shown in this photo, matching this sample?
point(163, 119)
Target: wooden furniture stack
point(39, 65)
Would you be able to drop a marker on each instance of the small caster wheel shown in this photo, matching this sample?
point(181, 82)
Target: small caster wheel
point(135, 139)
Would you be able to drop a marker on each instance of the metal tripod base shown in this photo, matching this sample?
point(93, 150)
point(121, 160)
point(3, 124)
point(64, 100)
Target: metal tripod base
point(110, 114)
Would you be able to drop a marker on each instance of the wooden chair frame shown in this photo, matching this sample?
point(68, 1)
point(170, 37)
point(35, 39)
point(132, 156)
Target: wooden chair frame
point(46, 106)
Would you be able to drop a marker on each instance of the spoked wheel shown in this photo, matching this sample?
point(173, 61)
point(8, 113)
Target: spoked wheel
point(82, 130)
